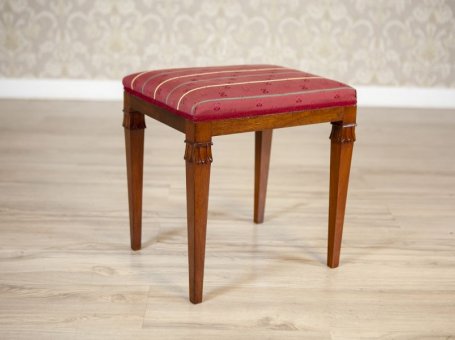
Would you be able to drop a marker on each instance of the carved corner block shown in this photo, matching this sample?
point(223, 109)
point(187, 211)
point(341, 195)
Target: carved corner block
point(342, 134)
point(198, 153)
point(133, 120)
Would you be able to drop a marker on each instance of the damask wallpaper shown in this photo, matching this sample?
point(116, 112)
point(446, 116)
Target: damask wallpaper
point(371, 42)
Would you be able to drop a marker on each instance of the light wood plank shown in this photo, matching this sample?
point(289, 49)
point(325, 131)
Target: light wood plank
point(66, 270)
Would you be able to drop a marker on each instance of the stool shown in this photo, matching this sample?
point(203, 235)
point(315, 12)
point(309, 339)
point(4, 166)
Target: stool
point(204, 102)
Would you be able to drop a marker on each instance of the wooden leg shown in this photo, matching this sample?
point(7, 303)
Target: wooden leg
point(134, 125)
point(342, 140)
point(198, 158)
point(263, 145)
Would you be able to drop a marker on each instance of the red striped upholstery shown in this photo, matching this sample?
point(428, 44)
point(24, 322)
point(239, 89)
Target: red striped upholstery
point(208, 93)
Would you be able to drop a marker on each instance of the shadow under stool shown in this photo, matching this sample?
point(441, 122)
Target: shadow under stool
point(204, 102)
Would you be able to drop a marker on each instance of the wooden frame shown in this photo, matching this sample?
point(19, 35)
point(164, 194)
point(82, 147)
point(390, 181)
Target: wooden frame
point(198, 159)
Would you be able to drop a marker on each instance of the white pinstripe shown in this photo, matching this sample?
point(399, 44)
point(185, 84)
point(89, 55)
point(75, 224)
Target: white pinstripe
point(137, 76)
point(270, 95)
point(206, 73)
point(242, 83)
point(287, 71)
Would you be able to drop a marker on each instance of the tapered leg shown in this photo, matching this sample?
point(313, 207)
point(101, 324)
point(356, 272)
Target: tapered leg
point(134, 125)
point(342, 141)
point(263, 145)
point(198, 158)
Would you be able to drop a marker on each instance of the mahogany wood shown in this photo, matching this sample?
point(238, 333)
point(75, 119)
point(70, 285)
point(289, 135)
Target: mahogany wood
point(275, 121)
point(157, 113)
point(198, 158)
point(244, 124)
point(342, 141)
point(263, 145)
point(134, 125)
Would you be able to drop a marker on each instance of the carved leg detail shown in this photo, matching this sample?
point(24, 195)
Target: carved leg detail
point(198, 157)
point(134, 125)
point(342, 141)
point(263, 145)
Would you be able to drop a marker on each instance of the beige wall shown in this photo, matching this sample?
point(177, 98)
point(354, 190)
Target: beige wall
point(386, 42)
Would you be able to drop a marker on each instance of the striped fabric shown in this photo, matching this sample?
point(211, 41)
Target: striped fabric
point(208, 93)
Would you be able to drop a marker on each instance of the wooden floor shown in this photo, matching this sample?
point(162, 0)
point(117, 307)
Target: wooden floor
point(66, 270)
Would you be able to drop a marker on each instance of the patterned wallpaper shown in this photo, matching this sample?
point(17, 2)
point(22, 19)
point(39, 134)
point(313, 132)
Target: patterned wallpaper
point(373, 42)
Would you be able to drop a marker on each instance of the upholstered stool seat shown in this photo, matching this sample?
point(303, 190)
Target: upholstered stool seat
point(205, 102)
point(208, 93)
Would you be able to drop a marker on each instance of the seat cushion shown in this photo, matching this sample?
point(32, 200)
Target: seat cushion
point(209, 93)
